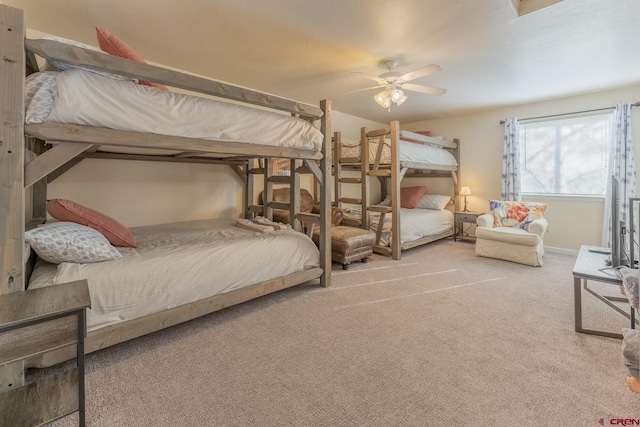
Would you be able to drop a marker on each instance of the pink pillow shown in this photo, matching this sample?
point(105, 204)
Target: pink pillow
point(116, 47)
point(116, 233)
point(410, 196)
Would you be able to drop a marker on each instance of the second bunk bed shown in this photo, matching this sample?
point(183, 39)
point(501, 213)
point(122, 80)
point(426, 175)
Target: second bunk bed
point(392, 155)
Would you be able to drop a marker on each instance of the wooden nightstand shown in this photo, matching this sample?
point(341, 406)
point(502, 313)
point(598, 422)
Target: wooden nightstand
point(460, 218)
point(31, 323)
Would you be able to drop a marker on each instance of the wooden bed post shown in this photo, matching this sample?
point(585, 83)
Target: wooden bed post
point(325, 195)
point(294, 196)
point(337, 168)
point(364, 175)
point(267, 192)
point(12, 147)
point(395, 189)
point(455, 175)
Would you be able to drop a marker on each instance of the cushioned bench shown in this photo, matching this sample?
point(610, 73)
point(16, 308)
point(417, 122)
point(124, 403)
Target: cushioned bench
point(350, 244)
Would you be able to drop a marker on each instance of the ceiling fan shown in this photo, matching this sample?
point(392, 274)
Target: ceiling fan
point(395, 84)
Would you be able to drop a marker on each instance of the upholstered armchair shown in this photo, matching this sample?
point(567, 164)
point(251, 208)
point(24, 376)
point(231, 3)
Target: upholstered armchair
point(513, 231)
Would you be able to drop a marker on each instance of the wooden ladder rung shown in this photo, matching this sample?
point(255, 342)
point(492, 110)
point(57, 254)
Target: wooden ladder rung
point(256, 171)
point(380, 172)
point(378, 132)
point(280, 179)
point(279, 205)
point(344, 160)
point(256, 208)
point(350, 200)
point(380, 208)
point(351, 180)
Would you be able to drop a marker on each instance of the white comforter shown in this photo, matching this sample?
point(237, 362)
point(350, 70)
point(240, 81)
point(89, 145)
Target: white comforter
point(86, 98)
point(414, 224)
point(411, 155)
point(179, 263)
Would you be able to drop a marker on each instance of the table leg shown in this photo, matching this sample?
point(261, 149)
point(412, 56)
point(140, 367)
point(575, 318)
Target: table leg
point(577, 306)
point(577, 303)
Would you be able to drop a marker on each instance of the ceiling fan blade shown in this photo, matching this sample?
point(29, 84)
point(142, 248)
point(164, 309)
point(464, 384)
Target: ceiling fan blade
point(420, 72)
point(424, 89)
point(376, 79)
point(363, 89)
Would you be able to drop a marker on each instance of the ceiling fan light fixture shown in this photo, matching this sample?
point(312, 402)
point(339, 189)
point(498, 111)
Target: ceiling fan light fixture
point(397, 95)
point(383, 99)
point(401, 101)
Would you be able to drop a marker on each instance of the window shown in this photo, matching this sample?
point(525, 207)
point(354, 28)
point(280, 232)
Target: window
point(566, 156)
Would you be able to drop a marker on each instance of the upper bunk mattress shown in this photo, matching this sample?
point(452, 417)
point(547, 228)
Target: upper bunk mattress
point(178, 263)
point(411, 155)
point(84, 98)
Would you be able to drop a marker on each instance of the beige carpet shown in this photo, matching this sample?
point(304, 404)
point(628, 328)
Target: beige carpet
point(439, 338)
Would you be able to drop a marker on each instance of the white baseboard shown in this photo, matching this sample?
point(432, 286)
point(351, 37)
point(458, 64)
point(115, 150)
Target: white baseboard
point(563, 251)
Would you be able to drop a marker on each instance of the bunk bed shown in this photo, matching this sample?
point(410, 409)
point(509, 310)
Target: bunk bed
point(391, 155)
point(36, 152)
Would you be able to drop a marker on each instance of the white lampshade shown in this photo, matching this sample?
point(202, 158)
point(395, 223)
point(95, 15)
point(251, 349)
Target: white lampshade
point(389, 95)
point(381, 98)
point(465, 191)
point(397, 95)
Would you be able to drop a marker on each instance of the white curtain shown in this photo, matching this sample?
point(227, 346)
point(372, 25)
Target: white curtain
point(511, 161)
point(622, 165)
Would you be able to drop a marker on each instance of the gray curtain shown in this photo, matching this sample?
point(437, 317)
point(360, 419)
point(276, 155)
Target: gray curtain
point(622, 165)
point(511, 161)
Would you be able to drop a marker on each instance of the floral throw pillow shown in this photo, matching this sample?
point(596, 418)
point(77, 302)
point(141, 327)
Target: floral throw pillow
point(516, 214)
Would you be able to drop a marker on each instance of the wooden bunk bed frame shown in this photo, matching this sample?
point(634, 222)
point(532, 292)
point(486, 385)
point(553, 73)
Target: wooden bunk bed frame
point(74, 143)
point(392, 172)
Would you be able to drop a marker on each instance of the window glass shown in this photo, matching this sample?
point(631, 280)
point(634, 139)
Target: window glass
point(567, 156)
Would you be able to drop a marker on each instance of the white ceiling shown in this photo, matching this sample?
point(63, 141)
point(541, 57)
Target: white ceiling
point(305, 50)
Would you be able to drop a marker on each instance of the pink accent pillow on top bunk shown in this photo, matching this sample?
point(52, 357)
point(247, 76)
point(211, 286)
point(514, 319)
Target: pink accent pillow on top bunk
point(410, 196)
point(116, 47)
point(115, 232)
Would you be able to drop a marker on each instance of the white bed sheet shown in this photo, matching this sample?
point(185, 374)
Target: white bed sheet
point(86, 98)
point(179, 263)
point(414, 224)
point(411, 155)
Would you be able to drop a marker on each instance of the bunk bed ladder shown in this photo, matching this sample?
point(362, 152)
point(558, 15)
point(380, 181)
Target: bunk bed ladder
point(339, 180)
point(394, 174)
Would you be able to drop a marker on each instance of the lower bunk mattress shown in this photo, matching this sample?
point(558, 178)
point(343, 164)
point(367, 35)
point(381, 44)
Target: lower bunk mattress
point(415, 224)
point(179, 263)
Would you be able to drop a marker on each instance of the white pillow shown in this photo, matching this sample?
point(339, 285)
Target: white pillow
point(433, 201)
point(65, 241)
point(39, 96)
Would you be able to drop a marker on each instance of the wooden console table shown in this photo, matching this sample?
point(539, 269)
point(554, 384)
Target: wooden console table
point(34, 322)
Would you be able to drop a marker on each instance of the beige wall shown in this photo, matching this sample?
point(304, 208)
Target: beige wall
point(145, 193)
point(572, 221)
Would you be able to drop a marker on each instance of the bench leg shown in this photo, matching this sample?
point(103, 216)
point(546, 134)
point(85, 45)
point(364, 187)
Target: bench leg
point(366, 259)
point(346, 266)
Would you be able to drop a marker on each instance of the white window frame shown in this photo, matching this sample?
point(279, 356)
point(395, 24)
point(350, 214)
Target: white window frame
point(563, 142)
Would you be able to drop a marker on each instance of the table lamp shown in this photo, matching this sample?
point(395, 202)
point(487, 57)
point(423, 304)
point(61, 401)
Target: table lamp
point(465, 191)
